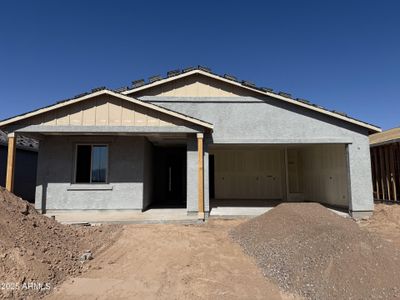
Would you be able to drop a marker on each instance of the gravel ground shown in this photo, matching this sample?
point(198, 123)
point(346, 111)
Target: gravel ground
point(37, 253)
point(312, 252)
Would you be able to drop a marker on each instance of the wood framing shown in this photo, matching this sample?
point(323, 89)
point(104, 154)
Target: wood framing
point(385, 162)
point(11, 162)
point(200, 152)
point(392, 171)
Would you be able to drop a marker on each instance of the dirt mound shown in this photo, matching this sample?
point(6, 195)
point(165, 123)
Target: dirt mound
point(311, 251)
point(386, 213)
point(36, 252)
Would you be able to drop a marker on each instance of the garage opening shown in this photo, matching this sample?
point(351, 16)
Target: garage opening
point(263, 176)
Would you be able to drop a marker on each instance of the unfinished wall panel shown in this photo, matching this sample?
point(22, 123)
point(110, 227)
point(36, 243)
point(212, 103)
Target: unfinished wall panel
point(325, 177)
point(249, 174)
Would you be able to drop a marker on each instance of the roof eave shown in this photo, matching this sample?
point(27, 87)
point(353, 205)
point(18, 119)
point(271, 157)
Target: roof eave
point(189, 119)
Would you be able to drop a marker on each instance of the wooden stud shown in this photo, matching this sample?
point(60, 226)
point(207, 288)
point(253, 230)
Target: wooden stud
point(11, 162)
point(382, 173)
point(376, 172)
point(200, 175)
point(396, 154)
point(387, 173)
point(392, 172)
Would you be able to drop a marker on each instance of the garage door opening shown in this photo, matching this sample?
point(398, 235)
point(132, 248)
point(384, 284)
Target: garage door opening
point(257, 178)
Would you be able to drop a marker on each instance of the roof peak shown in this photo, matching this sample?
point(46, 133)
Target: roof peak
point(177, 74)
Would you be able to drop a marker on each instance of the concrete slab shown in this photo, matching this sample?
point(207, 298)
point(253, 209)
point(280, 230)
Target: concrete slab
point(175, 215)
point(340, 212)
point(226, 211)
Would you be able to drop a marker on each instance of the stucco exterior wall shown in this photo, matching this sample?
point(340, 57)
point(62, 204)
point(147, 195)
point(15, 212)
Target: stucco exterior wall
point(249, 120)
point(191, 175)
point(55, 189)
point(148, 170)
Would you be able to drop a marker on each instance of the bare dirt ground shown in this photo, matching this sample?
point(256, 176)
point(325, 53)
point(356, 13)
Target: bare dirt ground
point(37, 253)
point(172, 262)
point(385, 222)
point(293, 250)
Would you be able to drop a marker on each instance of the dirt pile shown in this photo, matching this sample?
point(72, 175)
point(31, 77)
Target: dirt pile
point(388, 214)
point(311, 251)
point(37, 253)
point(385, 222)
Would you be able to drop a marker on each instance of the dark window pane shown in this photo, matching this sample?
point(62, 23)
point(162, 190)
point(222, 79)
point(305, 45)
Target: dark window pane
point(83, 164)
point(99, 163)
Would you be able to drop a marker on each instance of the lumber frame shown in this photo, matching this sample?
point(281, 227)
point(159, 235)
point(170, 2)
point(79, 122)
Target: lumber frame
point(11, 162)
point(387, 173)
point(392, 172)
point(200, 152)
point(382, 172)
point(376, 173)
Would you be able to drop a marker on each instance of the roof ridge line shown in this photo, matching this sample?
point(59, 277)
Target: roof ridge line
point(249, 85)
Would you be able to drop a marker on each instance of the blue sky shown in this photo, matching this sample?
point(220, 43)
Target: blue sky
point(343, 55)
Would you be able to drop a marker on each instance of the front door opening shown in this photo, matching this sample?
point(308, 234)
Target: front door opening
point(169, 172)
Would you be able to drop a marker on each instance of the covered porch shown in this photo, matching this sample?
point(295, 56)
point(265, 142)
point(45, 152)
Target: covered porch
point(154, 174)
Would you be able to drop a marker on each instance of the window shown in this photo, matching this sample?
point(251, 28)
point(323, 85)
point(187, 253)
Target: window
point(91, 164)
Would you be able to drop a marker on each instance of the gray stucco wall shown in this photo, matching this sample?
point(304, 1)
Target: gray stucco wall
point(56, 171)
point(192, 174)
point(148, 174)
point(241, 120)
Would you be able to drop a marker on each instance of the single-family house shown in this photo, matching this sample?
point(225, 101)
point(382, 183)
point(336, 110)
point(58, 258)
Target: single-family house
point(193, 139)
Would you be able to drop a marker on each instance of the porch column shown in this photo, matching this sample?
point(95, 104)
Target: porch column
point(200, 175)
point(11, 162)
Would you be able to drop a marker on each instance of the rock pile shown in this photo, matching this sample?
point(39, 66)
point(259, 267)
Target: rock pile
point(311, 251)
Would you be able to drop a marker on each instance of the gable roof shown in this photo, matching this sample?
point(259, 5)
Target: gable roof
point(385, 137)
point(140, 85)
point(103, 91)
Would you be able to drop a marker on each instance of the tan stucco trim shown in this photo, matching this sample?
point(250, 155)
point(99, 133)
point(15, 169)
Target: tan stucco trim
point(273, 95)
point(111, 93)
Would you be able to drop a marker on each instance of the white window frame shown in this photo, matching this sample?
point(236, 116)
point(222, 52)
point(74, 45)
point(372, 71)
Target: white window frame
point(91, 159)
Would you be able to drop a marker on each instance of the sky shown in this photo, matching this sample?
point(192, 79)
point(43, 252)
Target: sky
point(343, 55)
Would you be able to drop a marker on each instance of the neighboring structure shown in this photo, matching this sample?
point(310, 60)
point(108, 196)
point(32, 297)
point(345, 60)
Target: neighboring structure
point(195, 139)
point(25, 169)
point(385, 159)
